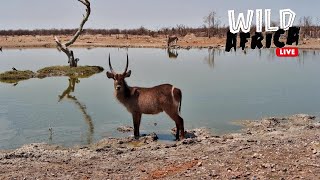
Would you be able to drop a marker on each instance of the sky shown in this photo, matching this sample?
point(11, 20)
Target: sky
point(127, 14)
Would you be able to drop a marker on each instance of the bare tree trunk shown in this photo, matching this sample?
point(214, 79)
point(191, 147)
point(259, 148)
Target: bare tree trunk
point(209, 26)
point(73, 62)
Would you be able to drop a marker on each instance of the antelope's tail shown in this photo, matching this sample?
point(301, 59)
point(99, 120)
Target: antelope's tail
point(177, 95)
point(180, 103)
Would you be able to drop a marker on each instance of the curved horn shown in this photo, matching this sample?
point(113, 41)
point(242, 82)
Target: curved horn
point(111, 69)
point(127, 64)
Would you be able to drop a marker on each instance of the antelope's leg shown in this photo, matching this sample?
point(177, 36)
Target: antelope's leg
point(181, 127)
point(136, 124)
point(179, 123)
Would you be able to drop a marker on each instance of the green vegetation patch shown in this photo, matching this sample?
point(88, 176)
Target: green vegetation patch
point(77, 72)
point(80, 71)
point(16, 76)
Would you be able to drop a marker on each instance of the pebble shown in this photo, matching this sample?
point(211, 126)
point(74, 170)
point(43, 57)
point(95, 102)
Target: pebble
point(314, 151)
point(255, 155)
point(205, 157)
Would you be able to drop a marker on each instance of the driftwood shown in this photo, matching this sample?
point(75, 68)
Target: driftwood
point(64, 46)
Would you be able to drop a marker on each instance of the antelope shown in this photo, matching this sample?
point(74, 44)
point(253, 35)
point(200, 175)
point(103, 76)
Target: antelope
point(142, 100)
point(172, 39)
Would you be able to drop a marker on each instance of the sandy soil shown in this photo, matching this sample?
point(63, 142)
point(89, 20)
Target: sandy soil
point(90, 41)
point(271, 148)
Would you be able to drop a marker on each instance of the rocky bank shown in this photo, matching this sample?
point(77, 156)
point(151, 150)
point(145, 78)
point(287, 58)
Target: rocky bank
point(271, 148)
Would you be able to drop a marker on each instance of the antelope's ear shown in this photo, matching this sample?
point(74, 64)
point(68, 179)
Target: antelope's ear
point(110, 75)
point(128, 74)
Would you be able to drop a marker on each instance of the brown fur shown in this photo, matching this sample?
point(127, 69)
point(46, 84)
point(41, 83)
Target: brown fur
point(141, 100)
point(172, 39)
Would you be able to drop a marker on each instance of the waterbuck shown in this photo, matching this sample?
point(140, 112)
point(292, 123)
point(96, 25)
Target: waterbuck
point(141, 100)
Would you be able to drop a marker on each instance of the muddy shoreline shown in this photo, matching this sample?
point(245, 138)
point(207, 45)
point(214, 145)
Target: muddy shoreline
point(271, 148)
point(93, 41)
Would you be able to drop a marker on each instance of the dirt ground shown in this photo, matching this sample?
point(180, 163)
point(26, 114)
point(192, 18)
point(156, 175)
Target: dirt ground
point(91, 41)
point(271, 148)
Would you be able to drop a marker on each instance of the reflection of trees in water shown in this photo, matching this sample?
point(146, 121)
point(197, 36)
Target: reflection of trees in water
point(271, 53)
point(259, 53)
point(303, 54)
point(211, 56)
point(80, 106)
point(172, 53)
point(307, 54)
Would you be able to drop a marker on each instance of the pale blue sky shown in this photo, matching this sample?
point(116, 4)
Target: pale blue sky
point(33, 14)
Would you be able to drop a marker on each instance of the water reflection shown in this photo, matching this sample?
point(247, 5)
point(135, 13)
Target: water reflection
point(67, 95)
point(240, 83)
point(210, 58)
point(50, 135)
point(304, 54)
point(172, 53)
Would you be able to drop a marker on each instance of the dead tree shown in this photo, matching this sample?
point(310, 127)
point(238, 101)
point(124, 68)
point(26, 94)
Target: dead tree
point(64, 46)
point(212, 21)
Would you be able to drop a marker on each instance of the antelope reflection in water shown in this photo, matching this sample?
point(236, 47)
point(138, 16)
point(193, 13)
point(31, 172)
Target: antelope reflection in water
point(172, 53)
point(80, 106)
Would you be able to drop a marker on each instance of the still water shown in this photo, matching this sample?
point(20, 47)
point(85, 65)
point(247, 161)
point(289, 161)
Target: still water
point(218, 88)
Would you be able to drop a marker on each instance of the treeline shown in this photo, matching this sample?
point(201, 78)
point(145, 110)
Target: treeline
point(180, 30)
point(307, 31)
point(310, 28)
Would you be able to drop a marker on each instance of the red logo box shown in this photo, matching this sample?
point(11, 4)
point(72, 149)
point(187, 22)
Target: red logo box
point(287, 52)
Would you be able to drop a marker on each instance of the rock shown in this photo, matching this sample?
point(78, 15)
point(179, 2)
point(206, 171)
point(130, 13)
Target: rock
point(227, 136)
point(213, 174)
point(125, 129)
point(149, 138)
point(314, 151)
point(251, 140)
point(270, 122)
point(199, 164)
point(267, 165)
point(206, 157)
point(188, 141)
point(317, 125)
point(170, 145)
point(303, 117)
point(255, 155)
point(153, 136)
